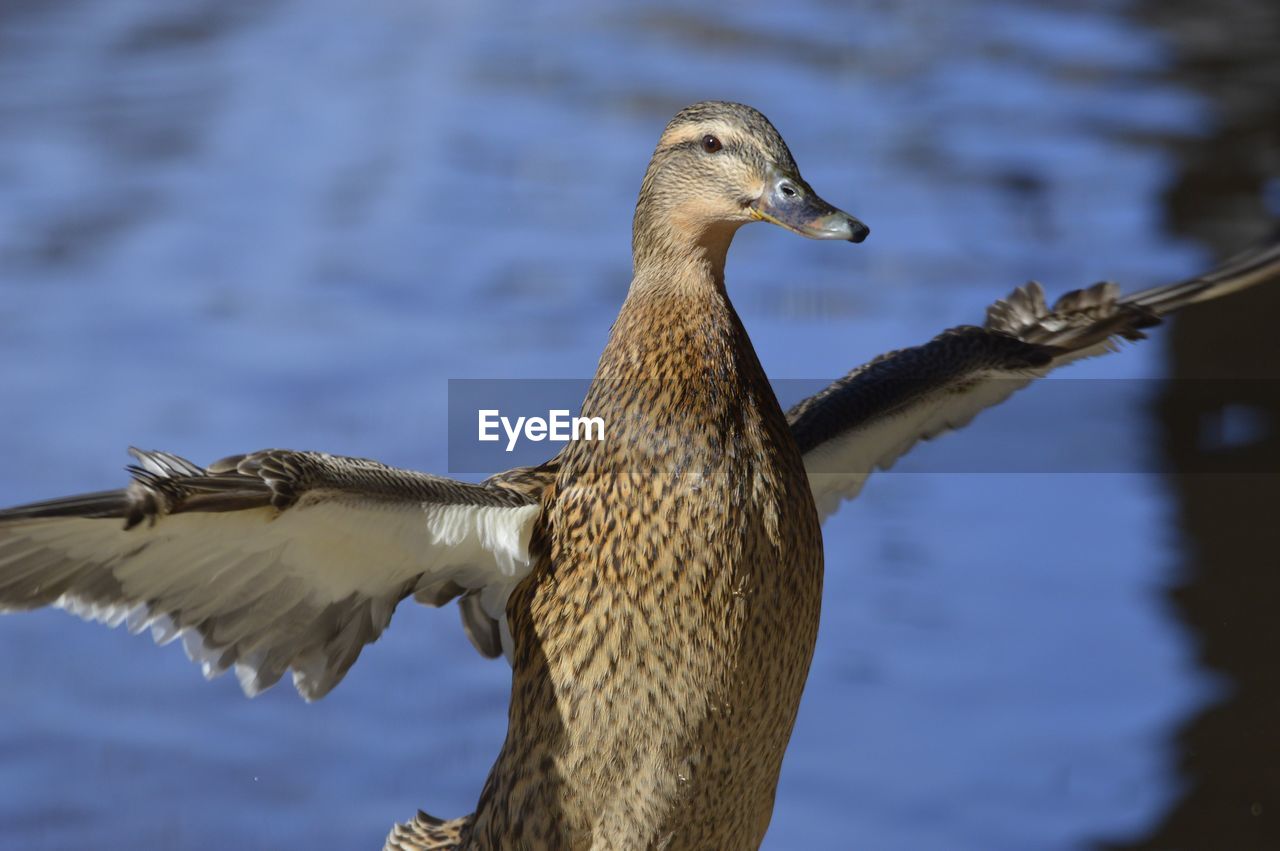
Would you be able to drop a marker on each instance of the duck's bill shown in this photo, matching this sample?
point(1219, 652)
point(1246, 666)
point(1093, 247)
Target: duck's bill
point(789, 202)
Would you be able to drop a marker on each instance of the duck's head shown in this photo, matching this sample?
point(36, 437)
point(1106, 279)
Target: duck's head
point(719, 166)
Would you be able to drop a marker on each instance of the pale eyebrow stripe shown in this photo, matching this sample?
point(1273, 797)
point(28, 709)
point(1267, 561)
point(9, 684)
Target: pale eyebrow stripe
point(695, 134)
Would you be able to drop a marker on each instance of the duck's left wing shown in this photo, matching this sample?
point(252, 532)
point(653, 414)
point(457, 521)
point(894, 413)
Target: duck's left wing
point(874, 415)
point(272, 561)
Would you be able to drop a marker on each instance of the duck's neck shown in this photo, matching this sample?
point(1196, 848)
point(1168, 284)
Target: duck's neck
point(676, 254)
point(678, 378)
point(678, 351)
point(677, 322)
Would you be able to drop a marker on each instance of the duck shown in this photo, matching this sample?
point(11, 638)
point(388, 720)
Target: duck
point(657, 594)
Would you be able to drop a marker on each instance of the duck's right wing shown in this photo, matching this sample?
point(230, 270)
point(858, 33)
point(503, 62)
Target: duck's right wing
point(874, 415)
point(275, 560)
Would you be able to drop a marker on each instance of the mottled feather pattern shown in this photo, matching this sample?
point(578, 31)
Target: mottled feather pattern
point(528, 482)
point(665, 633)
point(663, 638)
point(1077, 319)
point(428, 833)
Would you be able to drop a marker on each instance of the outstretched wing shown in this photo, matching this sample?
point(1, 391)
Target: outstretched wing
point(271, 561)
point(875, 414)
point(285, 560)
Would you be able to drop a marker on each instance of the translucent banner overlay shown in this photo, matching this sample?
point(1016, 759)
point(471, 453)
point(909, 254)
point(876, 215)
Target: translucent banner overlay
point(1057, 425)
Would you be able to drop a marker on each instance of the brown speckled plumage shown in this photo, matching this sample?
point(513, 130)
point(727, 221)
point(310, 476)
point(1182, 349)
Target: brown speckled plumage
point(663, 638)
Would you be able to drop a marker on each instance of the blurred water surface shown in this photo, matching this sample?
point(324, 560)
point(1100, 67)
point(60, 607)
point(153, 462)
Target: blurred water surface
point(227, 226)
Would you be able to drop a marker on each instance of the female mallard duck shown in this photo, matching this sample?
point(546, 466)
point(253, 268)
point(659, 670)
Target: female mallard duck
point(657, 594)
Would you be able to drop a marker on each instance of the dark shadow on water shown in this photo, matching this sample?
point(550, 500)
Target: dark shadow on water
point(1228, 595)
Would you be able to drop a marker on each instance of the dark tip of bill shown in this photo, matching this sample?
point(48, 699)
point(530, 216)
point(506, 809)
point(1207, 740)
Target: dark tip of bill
point(858, 231)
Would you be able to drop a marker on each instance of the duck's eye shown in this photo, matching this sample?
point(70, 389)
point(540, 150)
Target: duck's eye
point(711, 144)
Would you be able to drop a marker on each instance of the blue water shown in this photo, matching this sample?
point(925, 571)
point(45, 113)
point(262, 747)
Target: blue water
point(231, 226)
